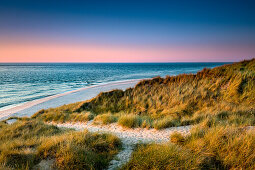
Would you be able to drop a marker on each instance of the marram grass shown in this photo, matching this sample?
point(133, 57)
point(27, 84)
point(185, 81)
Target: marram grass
point(25, 143)
point(219, 147)
point(185, 99)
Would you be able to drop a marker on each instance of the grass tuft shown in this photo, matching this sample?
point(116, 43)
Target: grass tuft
point(24, 144)
point(105, 119)
point(166, 123)
point(129, 121)
point(177, 138)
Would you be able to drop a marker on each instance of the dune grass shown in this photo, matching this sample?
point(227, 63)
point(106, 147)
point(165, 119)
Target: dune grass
point(130, 121)
point(166, 122)
point(18, 140)
point(224, 88)
point(63, 114)
point(218, 147)
point(185, 99)
point(177, 138)
point(135, 121)
point(24, 144)
point(80, 150)
point(105, 119)
point(155, 156)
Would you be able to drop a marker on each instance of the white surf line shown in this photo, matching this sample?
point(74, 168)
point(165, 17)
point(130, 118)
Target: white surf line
point(26, 105)
point(129, 137)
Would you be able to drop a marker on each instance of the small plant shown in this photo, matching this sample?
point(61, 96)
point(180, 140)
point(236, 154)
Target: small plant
point(105, 119)
point(177, 138)
point(166, 123)
point(146, 123)
point(81, 117)
point(222, 115)
point(130, 121)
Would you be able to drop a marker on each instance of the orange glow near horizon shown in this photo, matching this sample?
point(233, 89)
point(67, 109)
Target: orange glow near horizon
point(52, 52)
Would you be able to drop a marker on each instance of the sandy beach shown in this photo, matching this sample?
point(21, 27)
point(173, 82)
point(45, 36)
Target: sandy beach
point(29, 108)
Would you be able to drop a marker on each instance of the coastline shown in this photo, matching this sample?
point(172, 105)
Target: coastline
point(82, 94)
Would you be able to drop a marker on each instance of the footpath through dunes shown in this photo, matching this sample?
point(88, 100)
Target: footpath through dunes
point(129, 137)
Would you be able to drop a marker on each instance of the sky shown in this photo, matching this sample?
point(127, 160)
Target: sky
point(126, 31)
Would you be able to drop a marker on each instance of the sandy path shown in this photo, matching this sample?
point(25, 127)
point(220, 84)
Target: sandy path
point(29, 108)
point(129, 137)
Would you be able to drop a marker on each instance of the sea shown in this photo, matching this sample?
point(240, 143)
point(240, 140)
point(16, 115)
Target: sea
point(23, 82)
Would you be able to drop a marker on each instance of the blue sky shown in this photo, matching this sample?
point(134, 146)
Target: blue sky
point(144, 23)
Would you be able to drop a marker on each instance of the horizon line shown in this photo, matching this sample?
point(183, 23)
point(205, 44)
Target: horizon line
point(118, 62)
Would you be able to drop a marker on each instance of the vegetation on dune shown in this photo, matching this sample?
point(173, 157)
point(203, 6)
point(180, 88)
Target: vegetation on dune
point(17, 142)
point(218, 147)
point(65, 113)
point(131, 121)
point(24, 144)
point(172, 101)
point(219, 103)
point(157, 156)
point(2, 124)
point(80, 150)
point(134, 121)
point(223, 88)
point(105, 119)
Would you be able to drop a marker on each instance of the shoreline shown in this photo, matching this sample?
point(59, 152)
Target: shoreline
point(29, 108)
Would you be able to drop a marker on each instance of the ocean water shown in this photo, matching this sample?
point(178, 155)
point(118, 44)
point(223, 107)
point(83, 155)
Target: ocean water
point(23, 82)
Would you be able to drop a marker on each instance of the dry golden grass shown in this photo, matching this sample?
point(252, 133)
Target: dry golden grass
point(218, 147)
point(105, 119)
point(25, 143)
point(226, 88)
